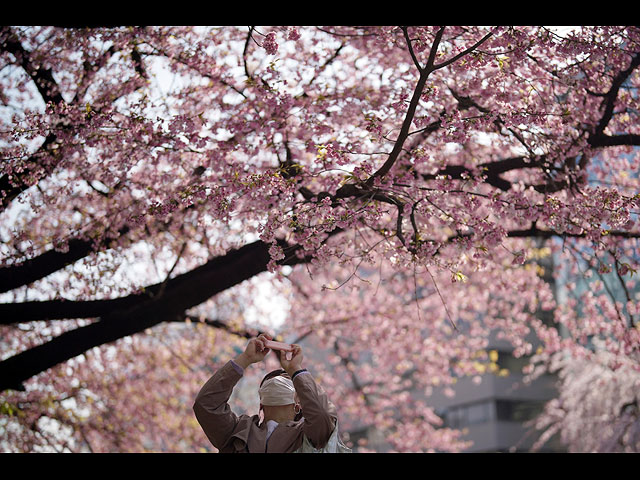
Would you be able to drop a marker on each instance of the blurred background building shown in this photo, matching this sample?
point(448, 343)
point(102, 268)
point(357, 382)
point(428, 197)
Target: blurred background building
point(497, 412)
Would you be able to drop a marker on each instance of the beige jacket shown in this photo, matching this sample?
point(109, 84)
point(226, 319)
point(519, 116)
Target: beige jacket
point(231, 433)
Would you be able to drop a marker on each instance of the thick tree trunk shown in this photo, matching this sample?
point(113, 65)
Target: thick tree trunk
point(164, 302)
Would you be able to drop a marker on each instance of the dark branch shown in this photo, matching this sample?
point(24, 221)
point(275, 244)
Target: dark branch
point(463, 53)
point(36, 268)
point(490, 170)
point(610, 100)
point(42, 77)
point(535, 232)
point(404, 130)
point(215, 323)
point(135, 313)
point(215, 271)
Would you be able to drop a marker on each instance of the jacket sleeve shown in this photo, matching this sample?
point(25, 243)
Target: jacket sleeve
point(211, 406)
point(320, 415)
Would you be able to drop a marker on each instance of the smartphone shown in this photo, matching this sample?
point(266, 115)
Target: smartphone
point(285, 347)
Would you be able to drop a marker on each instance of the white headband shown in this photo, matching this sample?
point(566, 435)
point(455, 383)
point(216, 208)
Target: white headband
point(277, 391)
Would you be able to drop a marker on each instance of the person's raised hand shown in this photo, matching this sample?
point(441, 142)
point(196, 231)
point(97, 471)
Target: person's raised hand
point(293, 365)
point(254, 352)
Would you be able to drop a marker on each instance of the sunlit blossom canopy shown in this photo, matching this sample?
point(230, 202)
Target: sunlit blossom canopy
point(408, 192)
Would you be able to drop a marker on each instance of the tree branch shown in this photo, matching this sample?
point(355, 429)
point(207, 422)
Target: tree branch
point(404, 130)
point(415, 99)
point(24, 273)
point(411, 52)
point(215, 272)
point(610, 100)
point(434, 49)
point(139, 313)
point(463, 53)
point(536, 232)
point(215, 323)
point(135, 313)
point(42, 77)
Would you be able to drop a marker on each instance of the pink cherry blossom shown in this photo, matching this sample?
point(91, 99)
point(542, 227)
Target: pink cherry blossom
point(402, 195)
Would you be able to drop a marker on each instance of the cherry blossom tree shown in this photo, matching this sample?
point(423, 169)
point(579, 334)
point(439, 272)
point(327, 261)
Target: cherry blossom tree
point(597, 408)
point(597, 364)
point(396, 185)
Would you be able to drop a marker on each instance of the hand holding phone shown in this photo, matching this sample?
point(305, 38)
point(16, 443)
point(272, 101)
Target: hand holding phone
point(285, 347)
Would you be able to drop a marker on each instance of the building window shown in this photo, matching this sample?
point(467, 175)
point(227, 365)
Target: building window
point(469, 414)
point(518, 410)
point(513, 364)
point(461, 416)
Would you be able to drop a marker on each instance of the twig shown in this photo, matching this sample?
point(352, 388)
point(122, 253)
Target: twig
point(444, 304)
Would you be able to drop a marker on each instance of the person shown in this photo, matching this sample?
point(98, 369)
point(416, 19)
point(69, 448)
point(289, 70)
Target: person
point(295, 409)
